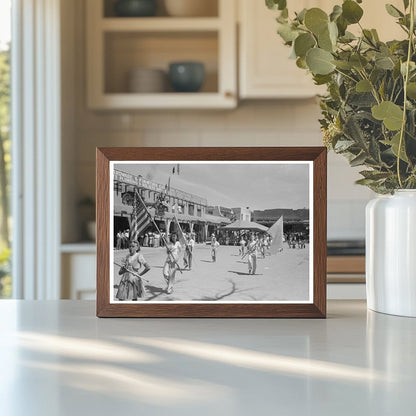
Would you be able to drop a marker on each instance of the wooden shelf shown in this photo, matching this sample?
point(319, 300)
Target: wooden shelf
point(117, 45)
point(197, 100)
point(346, 264)
point(160, 24)
point(87, 247)
point(345, 269)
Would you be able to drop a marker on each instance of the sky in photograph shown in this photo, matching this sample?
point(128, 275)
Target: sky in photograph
point(257, 186)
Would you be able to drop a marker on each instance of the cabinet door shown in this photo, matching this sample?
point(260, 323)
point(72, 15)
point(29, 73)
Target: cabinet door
point(78, 276)
point(266, 71)
point(265, 68)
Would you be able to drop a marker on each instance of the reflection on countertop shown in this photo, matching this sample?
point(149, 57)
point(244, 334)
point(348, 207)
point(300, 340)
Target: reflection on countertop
point(355, 362)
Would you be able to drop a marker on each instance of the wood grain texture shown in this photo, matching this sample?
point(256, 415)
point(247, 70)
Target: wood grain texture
point(317, 309)
point(319, 230)
point(346, 264)
point(103, 231)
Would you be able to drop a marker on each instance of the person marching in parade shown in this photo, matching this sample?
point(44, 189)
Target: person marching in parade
point(173, 249)
point(242, 246)
point(252, 249)
point(214, 246)
point(187, 257)
point(131, 285)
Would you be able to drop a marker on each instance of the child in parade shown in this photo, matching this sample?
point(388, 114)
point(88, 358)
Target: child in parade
point(187, 258)
point(173, 249)
point(242, 246)
point(119, 240)
point(214, 246)
point(252, 249)
point(131, 285)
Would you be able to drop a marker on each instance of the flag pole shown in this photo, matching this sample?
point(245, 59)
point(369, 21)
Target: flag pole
point(180, 229)
point(132, 272)
point(157, 228)
point(250, 251)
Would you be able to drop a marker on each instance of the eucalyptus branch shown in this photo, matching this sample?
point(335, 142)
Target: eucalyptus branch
point(373, 88)
point(406, 79)
point(392, 90)
point(346, 75)
point(398, 95)
point(404, 28)
point(363, 60)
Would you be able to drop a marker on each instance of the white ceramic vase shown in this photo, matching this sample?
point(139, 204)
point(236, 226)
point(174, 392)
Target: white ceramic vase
point(391, 253)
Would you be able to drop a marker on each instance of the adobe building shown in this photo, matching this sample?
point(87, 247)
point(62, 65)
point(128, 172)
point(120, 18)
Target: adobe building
point(294, 220)
point(190, 210)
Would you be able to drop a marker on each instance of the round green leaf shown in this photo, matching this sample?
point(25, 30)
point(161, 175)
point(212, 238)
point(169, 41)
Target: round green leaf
point(344, 65)
point(342, 25)
point(301, 15)
point(301, 63)
point(384, 62)
point(336, 12)
point(325, 42)
point(322, 79)
point(316, 20)
point(333, 32)
point(363, 86)
point(328, 38)
point(303, 43)
point(287, 33)
point(393, 11)
point(411, 90)
point(351, 11)
point(276, 4)
point(319, 61)
point(391, 114)
point(358, 61)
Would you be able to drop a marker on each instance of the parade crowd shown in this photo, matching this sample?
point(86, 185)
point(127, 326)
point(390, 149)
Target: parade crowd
point(179, 256)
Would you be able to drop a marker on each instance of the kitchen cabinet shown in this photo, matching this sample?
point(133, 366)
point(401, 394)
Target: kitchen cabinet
point(265, 70)
point(78, 264)
point(118, 45)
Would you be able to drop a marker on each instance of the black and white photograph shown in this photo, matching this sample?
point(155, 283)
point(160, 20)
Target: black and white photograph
point(211, 232)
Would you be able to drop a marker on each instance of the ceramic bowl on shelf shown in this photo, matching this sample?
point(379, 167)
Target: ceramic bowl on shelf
point(135, 8)
point(191, 8)
point(186, 76)
point(147, 80)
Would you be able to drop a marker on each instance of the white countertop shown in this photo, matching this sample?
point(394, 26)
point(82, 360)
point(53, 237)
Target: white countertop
point(57, 358)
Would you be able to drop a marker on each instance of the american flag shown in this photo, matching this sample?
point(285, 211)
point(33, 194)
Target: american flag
point(140, 218)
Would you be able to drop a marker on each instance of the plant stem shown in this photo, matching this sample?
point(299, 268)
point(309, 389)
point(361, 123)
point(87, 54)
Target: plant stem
point(346, 75)
point(373, 88)
point(406, 79)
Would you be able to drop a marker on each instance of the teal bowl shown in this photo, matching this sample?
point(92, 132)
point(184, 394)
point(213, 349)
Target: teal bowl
point(186, 76)
point(135, 8)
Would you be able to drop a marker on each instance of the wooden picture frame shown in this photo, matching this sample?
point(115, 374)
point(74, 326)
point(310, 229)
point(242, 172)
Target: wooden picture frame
point(248, 159)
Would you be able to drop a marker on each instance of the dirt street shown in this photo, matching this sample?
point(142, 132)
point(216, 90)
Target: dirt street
point(279, 277)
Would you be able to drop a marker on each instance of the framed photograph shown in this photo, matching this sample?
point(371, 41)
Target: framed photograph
point(211, 232)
